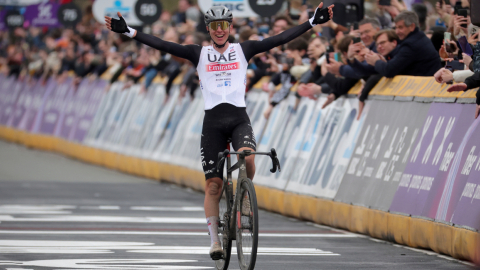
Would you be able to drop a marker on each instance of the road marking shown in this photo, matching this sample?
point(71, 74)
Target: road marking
point(155, 208)
point(76, 218)
point(35, 209)
point(280, 235)
point(98, 247)
point(101, 207)
point(131, 264)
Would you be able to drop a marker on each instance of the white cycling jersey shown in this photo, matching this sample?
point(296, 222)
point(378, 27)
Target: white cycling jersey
point(223, 76)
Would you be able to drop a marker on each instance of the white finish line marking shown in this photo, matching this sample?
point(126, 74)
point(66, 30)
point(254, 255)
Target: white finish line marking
point(155, 208)
point(284, 235)
point(62, 218)
point(98, 247)
point(35, 209)
point(130, 264)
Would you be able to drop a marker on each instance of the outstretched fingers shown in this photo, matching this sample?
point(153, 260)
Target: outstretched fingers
point(330, 11)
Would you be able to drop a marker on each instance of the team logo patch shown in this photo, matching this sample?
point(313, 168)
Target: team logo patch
point(222, 67)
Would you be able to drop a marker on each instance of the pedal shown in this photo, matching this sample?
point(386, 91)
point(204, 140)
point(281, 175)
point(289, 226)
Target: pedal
point(217, 256)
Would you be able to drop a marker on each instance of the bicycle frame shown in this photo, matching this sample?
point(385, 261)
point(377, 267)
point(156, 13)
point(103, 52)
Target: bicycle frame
point(241, 166)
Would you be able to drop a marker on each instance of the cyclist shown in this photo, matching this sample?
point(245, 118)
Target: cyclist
point(222, 69)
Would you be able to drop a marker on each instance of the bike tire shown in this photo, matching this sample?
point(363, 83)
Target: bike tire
point(247, 226)
point(225, 210)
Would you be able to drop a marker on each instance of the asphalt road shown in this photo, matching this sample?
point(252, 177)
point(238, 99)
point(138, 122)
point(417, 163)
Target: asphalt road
point(61, 214)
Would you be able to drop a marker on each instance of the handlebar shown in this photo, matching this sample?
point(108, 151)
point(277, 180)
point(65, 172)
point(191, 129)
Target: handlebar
point(245, 153)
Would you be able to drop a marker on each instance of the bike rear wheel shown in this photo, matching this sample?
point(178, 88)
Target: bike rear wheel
point(247, 225)
point(225, 210)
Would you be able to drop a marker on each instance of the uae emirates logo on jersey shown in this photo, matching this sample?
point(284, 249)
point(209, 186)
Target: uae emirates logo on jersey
point(222, 66)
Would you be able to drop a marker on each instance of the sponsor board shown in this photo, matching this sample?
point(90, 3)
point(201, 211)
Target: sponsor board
point(53, 107)
point(152, 141)
point(111, 7)
point(325, 151)
point(276, 123)
point(11, 97)
point(89, 109)
point(239, 8)
point(43, 14)
point(290, 143)
point(381, 152)
point(430, 156)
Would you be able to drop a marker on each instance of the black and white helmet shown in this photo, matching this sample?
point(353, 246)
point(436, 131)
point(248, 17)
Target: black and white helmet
point(218, 13)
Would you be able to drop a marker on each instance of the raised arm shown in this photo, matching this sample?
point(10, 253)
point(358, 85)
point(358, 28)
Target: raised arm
point(189, 52)
point(251, 47)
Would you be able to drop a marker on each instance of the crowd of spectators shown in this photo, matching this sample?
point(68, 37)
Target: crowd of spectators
point(418, 40)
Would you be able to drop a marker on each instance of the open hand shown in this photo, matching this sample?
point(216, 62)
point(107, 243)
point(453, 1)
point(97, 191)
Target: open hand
point(119, 26)
point(318, 17)
point(457, 87)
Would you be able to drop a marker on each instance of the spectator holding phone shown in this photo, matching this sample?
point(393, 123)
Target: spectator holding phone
point(415, 55)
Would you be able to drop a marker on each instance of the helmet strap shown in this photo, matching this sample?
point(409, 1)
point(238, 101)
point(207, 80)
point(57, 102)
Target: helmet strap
point(218, 45)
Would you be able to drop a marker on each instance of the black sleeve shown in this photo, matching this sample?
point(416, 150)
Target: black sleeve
point(339, 86)
point(189, 52)
point(473, 81)
point(251, 47)
point(369, 85)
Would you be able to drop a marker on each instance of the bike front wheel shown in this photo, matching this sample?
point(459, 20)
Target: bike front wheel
point(225, 208)
point(247, 225)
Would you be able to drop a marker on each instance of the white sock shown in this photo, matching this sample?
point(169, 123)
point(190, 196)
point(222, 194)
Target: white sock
point(213, 229)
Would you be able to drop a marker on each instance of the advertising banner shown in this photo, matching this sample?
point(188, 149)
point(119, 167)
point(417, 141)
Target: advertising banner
point(53, 108)
point(23, 102)
point(135, 127)
point(102, 8)
point(43, 14)
point(291, 140)
point(165, 148)
point(462, 124)
point(460, 170)
point(276, 123)
point(380, 155)
point(152, 141)
point(185, 146)
point(467, 209)
point(12, 92)
point(257, 103)
point(245, 8)
point(50, 89)
point(73, 107)
point(326, 152)
point(65, 106)
point(426, 158)
point(115, 120)
point(3, 24)
point(158, 104)
point(33, 104)
point(89, 108)
point(102, 116)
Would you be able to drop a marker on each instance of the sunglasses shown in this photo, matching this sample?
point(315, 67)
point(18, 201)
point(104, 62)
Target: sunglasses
point(223, 25)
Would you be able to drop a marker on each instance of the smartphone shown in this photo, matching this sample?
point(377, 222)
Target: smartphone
point(463, 12)
point(441, 3)
point(456, 65)
point(446, 38)
point(355, 26)
point(357, 40)
point(466, 48)
point(338, 57)
point(458, 5)
point(384, 3)
point(330, 49)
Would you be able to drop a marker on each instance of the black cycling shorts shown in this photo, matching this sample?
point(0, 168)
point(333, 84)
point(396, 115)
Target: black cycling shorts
point(223, 124)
